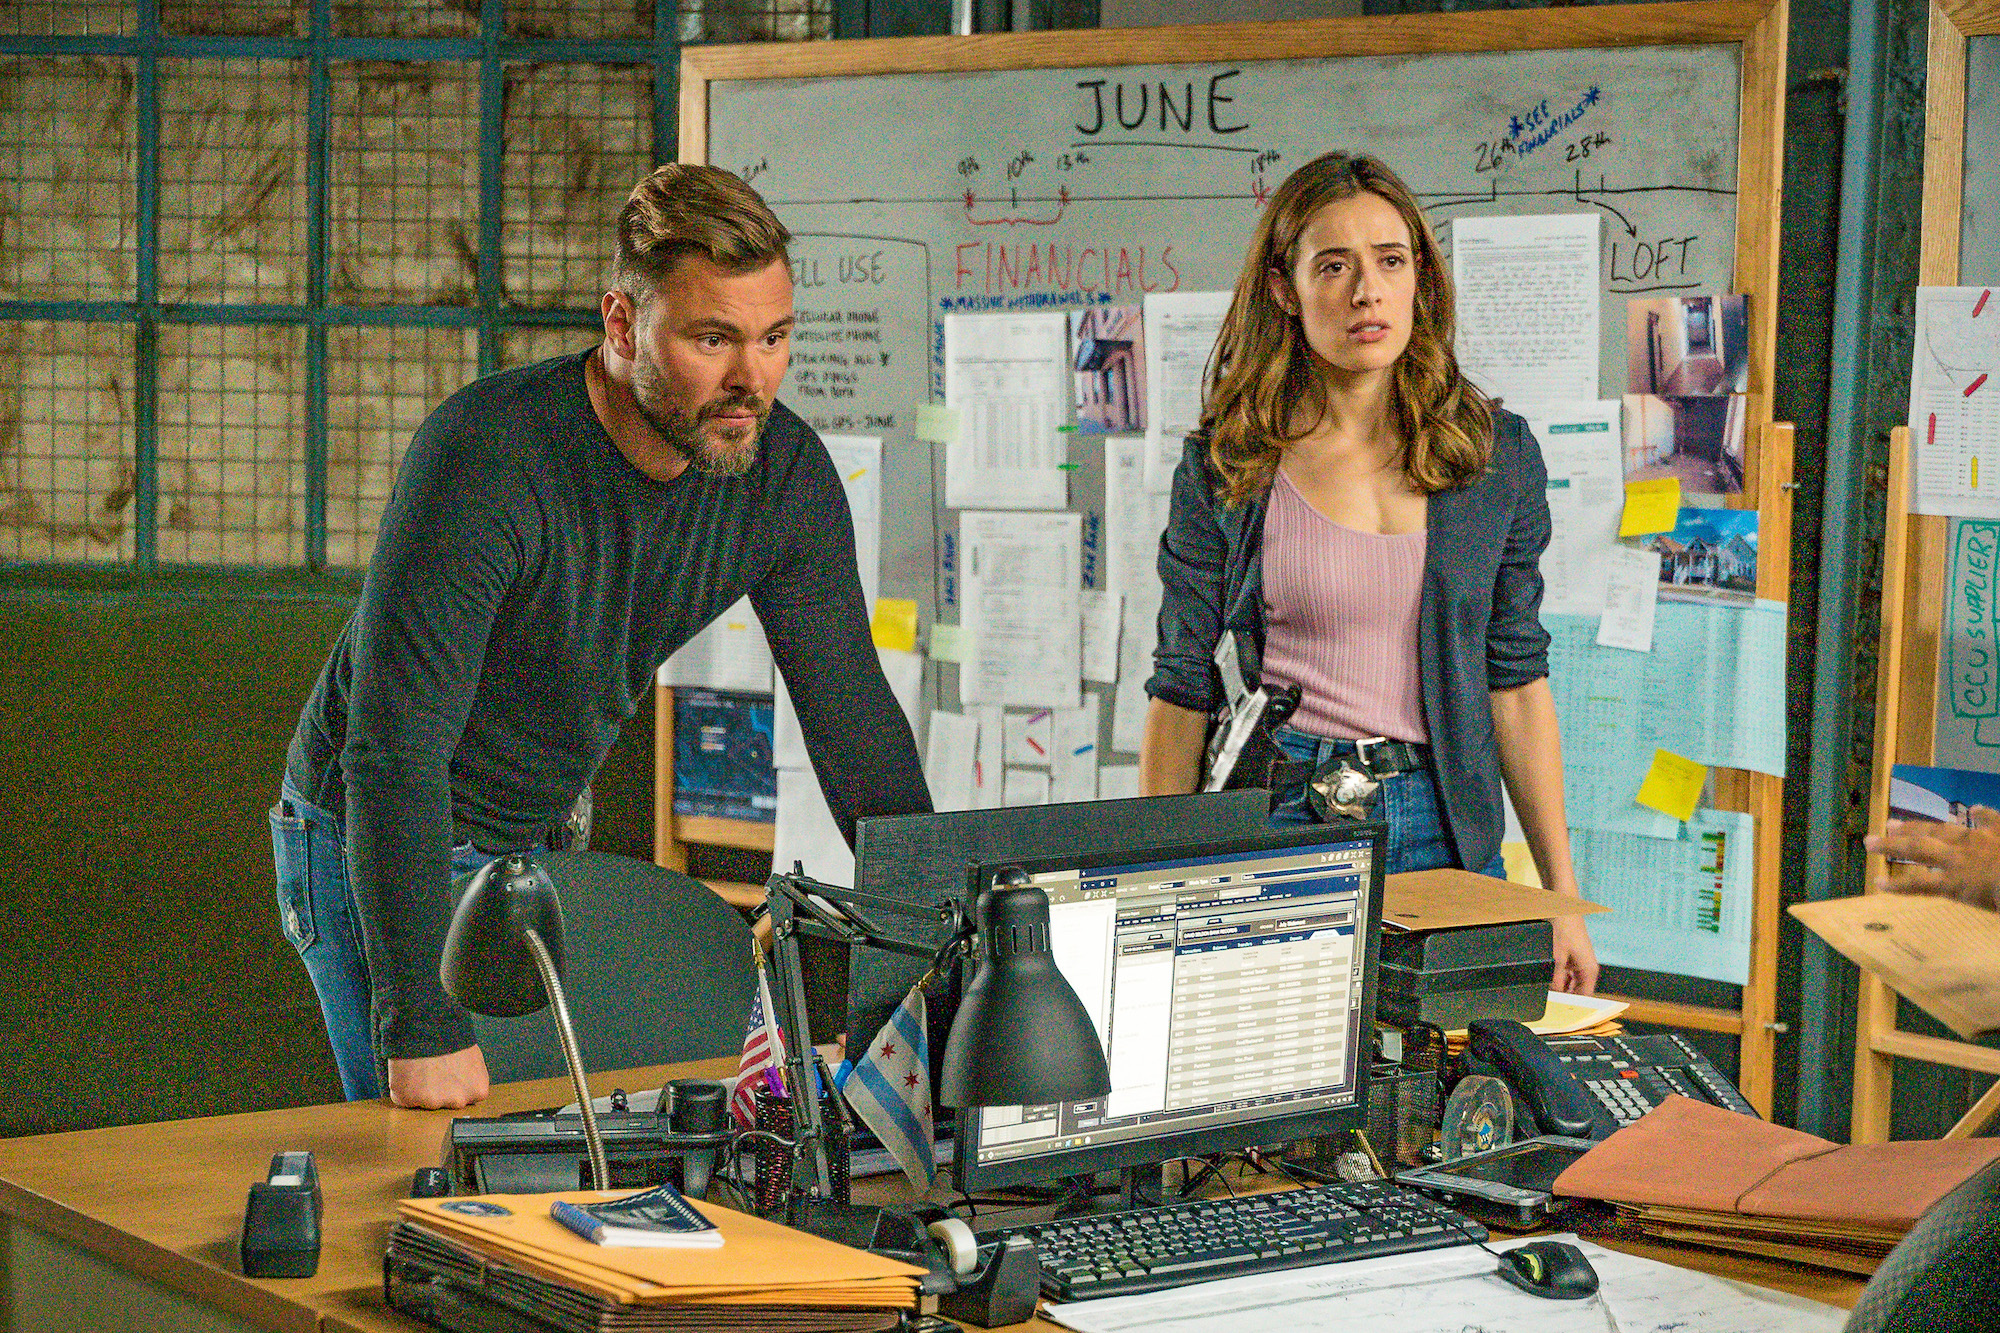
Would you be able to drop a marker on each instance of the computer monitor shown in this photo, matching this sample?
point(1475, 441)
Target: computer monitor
point(923, 859)
point(1233, 983)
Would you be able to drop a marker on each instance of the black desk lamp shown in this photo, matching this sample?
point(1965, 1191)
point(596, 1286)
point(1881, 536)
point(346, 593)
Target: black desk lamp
point(503, 958)
point(1021, 1036)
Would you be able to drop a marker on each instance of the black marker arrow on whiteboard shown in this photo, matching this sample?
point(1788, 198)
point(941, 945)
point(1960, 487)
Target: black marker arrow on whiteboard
point(1630, 230)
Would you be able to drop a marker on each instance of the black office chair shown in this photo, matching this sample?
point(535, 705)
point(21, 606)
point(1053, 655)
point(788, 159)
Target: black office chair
point(656, 967)
point(1945, 1275)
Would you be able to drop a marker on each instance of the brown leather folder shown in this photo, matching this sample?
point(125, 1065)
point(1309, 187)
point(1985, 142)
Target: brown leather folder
point(1686, 1154)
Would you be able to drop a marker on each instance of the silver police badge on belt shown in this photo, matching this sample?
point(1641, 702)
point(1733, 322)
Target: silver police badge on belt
point(1341, 789)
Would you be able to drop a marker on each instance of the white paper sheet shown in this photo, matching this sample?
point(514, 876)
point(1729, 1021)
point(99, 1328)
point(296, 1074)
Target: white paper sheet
point(1021, 615)
point(858, 460)
point(1528, 300)
point(1117, 781)
point(949, 760)
point(1180, 334)
point(1135, 668)
point(1955, 403)
point(1100, 634)
point(730, 653)
point(1134, 517)
point(806, 831)
point(1580, 445)
point(989, 765)
point(1007, 378)
point(1027, 737)
point(1073, 752)
point(1027, 786)
point(1631, 593)
point(1454, 1291)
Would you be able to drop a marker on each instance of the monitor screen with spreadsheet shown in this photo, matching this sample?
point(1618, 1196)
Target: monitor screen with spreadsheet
point(1233, 985)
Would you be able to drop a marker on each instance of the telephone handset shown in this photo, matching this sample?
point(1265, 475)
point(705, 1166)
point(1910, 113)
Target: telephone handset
point(1559, 1106)
point(1587, 1087)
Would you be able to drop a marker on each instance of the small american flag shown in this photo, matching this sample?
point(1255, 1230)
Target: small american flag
point(763, 1048)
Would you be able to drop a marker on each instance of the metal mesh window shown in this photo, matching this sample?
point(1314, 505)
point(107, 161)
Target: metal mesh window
point(524, 347)
point(756, 20)
point(581, 19)
point(380, 384)
point(404, 198)
point(69, 172)
point(66, 441)
point(232, 181)
point(235, 18)
point(68, 18)
point(405, 18)
point(577, 136)
point(232, 459)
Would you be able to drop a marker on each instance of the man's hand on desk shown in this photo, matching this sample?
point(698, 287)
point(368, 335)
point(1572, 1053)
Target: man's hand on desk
point(1949, 860)
point(440, 1081)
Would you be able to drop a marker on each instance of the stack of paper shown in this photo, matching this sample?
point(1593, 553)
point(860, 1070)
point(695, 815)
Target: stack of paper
point(1697, 1174)
point(1563, 1015)
point(506, 1250)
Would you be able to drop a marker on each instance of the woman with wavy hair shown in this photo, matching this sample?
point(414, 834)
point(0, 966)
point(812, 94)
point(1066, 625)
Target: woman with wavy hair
point(1364, 524)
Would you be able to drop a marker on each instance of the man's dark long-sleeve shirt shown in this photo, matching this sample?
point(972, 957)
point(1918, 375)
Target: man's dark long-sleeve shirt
point(527, 583)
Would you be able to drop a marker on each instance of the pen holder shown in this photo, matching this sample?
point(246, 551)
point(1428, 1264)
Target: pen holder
point(774, 1164)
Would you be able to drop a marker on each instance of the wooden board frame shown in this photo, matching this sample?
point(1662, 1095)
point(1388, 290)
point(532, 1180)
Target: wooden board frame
point(1760, 26)
point(1913, 593)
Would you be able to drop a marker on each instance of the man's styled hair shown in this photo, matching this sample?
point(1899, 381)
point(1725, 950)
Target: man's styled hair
point(683, 209)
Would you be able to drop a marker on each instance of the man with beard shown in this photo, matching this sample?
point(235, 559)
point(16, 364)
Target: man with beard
point(555, 532)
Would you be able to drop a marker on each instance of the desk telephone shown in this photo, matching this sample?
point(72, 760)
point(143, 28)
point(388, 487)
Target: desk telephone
point(1587, 1087)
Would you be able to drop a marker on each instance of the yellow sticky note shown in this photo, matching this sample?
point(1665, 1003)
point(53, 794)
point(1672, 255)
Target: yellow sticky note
point(945, 646)
point(895, 624)
point(1673, 784)
point(1650, 506)
point(937, 423)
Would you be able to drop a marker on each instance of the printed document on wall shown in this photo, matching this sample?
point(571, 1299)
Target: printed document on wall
point(1021, 616)
point(1955, 403)
point(1006, 376)
point(730, 653)
point(1681, 906)
point(1528, 305)
point(1180, 334)
point(806, 831)
point(858, 461)
point(1580, 446)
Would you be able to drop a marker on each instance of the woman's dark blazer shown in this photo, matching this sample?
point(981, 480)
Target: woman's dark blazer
point(1478, 623)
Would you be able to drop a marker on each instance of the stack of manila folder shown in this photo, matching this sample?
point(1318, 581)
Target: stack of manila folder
point(763, 1275)
point(1697, 1174)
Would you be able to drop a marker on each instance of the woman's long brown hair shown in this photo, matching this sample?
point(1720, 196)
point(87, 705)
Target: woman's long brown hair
point(1264, 388)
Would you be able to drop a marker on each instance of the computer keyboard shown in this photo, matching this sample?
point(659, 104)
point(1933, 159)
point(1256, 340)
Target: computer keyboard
point(1117, 1254)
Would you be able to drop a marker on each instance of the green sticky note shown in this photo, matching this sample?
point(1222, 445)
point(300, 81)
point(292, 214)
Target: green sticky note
point(937, 423)
point(946, 644)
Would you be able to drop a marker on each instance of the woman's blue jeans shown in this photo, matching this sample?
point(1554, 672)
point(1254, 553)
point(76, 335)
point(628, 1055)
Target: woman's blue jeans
point(316, 910)
point(1406, 802)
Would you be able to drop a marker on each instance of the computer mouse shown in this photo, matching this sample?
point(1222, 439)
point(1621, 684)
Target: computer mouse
point(1550, 1268)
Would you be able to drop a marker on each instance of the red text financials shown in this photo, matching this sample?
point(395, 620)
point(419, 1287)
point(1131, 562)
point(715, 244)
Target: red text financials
point(1015, 266)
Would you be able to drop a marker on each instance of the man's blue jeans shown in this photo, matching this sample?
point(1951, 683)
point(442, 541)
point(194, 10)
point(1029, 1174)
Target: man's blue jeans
point(316, 910)
point(1406, 802)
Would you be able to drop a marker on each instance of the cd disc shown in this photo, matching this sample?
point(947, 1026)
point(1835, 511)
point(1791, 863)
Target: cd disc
point(1478, 1118)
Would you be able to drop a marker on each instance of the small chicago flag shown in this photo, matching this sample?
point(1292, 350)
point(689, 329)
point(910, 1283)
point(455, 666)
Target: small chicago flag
point(890, 1089)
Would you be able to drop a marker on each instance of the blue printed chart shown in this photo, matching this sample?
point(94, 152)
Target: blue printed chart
point(1679, 906)
point(1712, 690)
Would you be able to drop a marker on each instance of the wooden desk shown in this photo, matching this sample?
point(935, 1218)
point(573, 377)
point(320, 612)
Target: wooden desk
point(134, 1230)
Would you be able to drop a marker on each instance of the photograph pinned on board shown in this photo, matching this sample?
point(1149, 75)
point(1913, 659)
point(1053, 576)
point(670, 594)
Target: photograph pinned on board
point(1110, 369)
point(1687, 346)
point(1940, 795)
point(1699, 440)
point(1710, 556)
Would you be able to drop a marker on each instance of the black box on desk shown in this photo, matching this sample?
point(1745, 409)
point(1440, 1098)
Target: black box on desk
point(1449, 977)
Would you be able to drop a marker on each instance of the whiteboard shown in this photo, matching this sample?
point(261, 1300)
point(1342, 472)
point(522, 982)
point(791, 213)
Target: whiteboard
point(917, 195)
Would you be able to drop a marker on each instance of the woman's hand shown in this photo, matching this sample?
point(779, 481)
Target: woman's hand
point(1576, 958)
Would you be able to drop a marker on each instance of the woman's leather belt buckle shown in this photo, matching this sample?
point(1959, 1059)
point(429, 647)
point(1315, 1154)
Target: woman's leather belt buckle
point(1345, 787)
